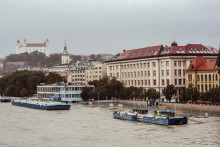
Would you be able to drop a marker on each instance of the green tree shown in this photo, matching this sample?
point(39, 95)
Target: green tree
point(86, 93)
point(169, 91)
point(53, 77)
point(24, 92)
point(153, 94)
point(190, 92)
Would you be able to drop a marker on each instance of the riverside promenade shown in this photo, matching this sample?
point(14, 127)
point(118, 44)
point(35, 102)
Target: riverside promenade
point(212, 109)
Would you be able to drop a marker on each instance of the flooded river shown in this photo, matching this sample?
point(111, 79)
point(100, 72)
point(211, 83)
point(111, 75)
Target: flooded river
point(94, 126)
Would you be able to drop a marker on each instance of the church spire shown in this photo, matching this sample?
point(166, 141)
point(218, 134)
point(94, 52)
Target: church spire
point(65, 47)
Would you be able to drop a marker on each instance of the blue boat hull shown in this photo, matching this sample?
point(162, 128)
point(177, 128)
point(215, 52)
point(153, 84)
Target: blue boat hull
point(152, 120)
point(42, 107)
point(5, 100)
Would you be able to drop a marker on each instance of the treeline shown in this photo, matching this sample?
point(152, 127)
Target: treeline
point(191, 93)
point(105, 89)
point(24, 83)
point(39, 59)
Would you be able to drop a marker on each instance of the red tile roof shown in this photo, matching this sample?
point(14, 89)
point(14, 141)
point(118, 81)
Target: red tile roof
point(157, 51)
point(200, 63)
point(36, 44)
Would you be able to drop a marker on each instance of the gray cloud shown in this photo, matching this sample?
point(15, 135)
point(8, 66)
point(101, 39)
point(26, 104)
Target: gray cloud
point(108, 26)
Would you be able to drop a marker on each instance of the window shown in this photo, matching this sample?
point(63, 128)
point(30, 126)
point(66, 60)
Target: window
point(128, 66)
point(198, 87)
point(179, 72)
point(179, 63)
point(117, 75)
point(144, 65)
point(148, 73)
point(175, 72)
point(138, 82)
point(138, 74)
point(175, 63)
point(163, 82)
point(168, 73)
point(148, 64)
point(168, 82)
point(216, 77)
point(162, 63)
point(128, 74)
point(131, 66)
point(210, 77)
point(198, 78)
point(184, 81)
point(184, 63)
point(154, 73)
point(110, 67)
point(154, 64)
point(148, 82)
point(145, 73)
point(132, 75)
point(155, 82)
point(184, 71)
point(141, 65)
point(145, 82)
point(137, 65)
point(206, 87)
point(110, 74)
point(167, 63)
point(141, 73)
point(180, 81)
point(122, 75)
point(175, 81)
point(162, 72)
point(205, 77)
point(201, 77)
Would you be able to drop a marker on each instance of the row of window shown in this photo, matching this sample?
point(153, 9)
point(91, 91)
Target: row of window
point(204, 88)
point(144, 65)
point(206, 77)
point(142, 82)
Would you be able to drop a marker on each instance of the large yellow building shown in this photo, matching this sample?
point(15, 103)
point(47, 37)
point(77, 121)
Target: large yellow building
point(202, 74)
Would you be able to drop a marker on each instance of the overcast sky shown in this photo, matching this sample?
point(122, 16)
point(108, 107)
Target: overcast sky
point(108, 26)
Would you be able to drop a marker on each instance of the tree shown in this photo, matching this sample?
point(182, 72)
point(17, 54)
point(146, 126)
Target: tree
point(86, 93)
point(169, 91)
point(24, 92)
point(53, 77)
point(153, 94)
point(190, 93)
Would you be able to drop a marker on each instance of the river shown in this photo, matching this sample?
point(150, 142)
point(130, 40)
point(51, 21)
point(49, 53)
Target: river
point(91, 126)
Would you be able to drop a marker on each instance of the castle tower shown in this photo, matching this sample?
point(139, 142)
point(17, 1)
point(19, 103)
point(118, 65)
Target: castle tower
point(18, 43)
point(65, 57)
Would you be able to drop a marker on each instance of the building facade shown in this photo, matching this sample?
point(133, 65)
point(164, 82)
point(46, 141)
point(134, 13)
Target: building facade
point(157, 66)
point(31, 47)
point(202, 75)
point(68, 93)
point(95, 72)
point(1, 65)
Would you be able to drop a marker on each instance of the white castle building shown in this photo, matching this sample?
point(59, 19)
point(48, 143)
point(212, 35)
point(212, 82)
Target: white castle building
point(31, 47)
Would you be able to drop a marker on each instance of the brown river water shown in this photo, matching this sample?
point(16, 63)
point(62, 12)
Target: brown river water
point(89, 126)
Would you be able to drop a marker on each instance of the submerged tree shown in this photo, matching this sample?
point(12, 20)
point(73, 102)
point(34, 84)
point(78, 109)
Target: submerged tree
point(169, 91)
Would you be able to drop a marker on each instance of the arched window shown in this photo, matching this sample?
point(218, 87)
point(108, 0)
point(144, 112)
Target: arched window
point(213, 77)
point(198, 87)
point(213, 86)
point(201, 77)
point(198, 78)
point(210, 77)
point(202, 87)
point(205, 77)
point(216, 77)
point(216, 86)
point(210, 86)
point(206, 87)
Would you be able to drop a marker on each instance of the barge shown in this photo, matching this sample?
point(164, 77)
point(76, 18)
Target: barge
point(5, 100)
point(159, 117)
point(41, 105)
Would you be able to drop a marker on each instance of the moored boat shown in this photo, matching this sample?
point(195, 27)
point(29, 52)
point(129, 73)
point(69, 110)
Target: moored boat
point(5, 100)
point(43, 105)
point(159, 117)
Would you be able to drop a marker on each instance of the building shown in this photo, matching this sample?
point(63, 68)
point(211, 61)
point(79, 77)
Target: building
point(79, 72)
point(65, 62)
point(68, 93)
point(95, 72)
point(157, 66)
point(202, 74)
point(31, 47)
point(65, 56)
point(1, 65)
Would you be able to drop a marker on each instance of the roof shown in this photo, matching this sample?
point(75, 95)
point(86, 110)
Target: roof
point(36, 44)
point(18, 41)
point(158, 51)
point(200, 63)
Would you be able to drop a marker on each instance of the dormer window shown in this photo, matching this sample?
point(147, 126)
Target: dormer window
point(152, 50)
point(179, 48)
point(194, 48)
point(191, 49)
